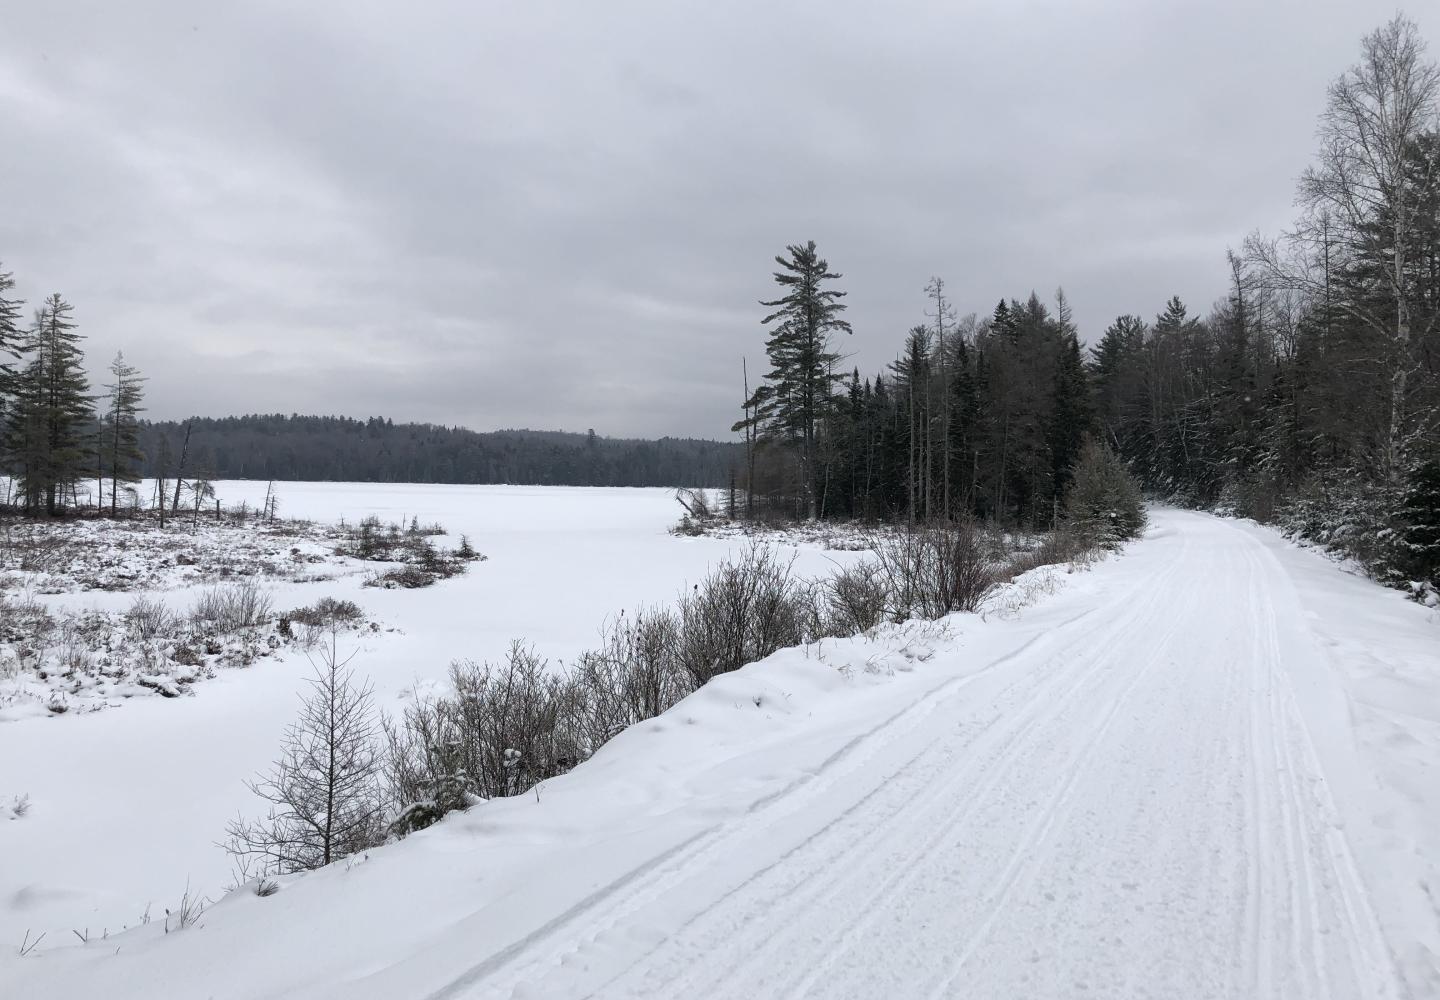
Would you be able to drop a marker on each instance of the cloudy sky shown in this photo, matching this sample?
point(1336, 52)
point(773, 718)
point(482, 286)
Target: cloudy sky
point(562, 215)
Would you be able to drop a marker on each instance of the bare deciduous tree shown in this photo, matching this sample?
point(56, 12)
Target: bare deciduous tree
point(1365, 196)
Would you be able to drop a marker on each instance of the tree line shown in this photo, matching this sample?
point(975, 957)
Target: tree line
point(342, 449)
point(1309, 393)
point(59, 435)
point(55, 432)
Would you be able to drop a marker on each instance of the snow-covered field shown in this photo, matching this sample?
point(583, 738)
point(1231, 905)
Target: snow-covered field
point(126, 805)
point(1204, 768)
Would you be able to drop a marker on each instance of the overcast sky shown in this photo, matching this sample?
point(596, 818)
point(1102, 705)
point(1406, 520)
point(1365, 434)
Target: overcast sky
point(562, 215)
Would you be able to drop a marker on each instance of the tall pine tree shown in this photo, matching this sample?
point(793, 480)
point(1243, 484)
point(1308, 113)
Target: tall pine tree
point(799, 388)
point(50, 410)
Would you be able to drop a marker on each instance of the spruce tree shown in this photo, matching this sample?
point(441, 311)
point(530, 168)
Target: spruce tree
point(120, 432)
point(11, 342)
point(1070, 419)
point(1420, 522)
point(11, 337)
point(1103, 505)
point(52, 409)
point(912, 384)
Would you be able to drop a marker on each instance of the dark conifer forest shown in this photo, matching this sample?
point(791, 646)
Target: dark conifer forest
point(1309, 394)
point(378, 450)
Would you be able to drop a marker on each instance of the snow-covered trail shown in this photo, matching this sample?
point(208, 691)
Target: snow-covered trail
point(1129, 806)
point(1203, 769)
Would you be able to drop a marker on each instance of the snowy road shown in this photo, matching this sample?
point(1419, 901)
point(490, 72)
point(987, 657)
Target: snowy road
point(1203, 769)
point(1129, 806)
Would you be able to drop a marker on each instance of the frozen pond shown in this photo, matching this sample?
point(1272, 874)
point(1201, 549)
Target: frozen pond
point(128, 803)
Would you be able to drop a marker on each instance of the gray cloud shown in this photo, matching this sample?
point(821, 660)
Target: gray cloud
point(562, 214)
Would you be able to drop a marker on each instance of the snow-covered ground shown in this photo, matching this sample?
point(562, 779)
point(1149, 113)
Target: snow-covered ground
point(1204, 768)
point(126, 805)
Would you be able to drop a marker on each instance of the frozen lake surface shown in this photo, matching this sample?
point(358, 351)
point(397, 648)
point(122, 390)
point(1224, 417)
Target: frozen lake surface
point(127, 804)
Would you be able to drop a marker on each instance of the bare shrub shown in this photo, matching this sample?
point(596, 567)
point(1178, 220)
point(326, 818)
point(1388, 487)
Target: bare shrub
point(401, 578)
point(933, 571)
point(633, 676)
point(24, 619)
point(326, 612)
point(1063, 545)
point(856, 598)
point(503, 729)
point(149, 619)
point(742, 612)
point(230, 609)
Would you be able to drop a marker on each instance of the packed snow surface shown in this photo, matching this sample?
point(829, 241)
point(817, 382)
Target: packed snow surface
point(1204, 768)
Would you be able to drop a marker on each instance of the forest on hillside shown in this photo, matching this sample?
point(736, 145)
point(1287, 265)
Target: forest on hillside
point(341, 449)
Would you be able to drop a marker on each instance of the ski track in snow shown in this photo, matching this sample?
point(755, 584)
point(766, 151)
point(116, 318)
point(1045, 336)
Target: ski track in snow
point(1128, 807)
point(1206, 779)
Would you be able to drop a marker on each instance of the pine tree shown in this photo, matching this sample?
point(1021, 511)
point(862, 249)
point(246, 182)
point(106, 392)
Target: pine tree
point(1420, 522)
point(912, 384)
point(1070, 419)
point(50, 410)
point(119, 435)
point(799, 389)
point(1104, 504)
point(12, 339)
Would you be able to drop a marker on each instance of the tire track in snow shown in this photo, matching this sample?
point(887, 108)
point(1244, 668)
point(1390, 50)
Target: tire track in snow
point(625, 895)
point(993, 753)
point(1313, 824)
point(913, 858)
point(1022, 862)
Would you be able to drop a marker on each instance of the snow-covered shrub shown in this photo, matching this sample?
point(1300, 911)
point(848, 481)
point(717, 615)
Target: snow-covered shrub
point(504, 727)
point(438, 798)
point(229, 610)
point(856, 598)
point(1063, 545)
point(1419, 517)
point(149, 619)
point(635, 675)
point(1103, 504)
point(933, 571)
point(742, 612)
point(1352, 517)
point(324, 613)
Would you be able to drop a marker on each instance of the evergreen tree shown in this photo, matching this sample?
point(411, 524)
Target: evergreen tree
point(50, 410)
point(1104, 503)
point(912, 386)
point(799, 388)
point(11, 342)
point(120, 432)
point(11, 337)
point(1070, 419)
point(1419, 517)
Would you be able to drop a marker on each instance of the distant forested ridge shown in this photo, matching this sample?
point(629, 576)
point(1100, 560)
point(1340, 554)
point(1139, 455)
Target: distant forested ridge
point(378, 450)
